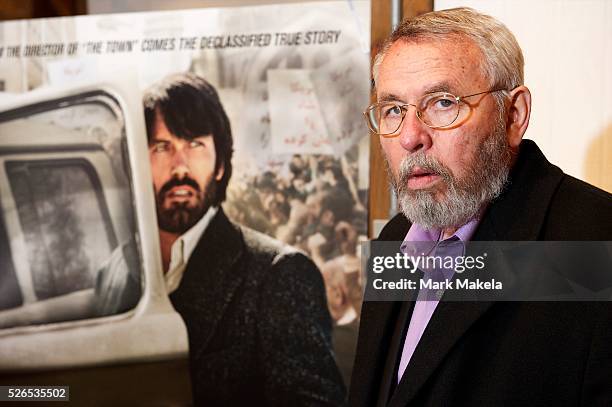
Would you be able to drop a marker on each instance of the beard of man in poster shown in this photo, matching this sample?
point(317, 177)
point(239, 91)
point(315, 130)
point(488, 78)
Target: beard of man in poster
point(255, 309)
point(178, 216)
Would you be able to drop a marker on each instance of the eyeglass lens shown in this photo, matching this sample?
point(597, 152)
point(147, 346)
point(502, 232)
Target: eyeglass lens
point(435, 110)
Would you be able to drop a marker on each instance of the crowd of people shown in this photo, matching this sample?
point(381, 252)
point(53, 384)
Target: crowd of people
point(313, 204)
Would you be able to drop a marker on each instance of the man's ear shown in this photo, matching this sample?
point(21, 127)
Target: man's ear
point(519, 111)
point(220, 172)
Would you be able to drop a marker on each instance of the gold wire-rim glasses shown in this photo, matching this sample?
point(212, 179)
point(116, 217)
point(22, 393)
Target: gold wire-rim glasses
point(457, 100)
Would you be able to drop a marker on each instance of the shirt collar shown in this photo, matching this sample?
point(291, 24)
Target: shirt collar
point(185, 245)
point(348, 317)
point(192, 236)
point(419, 241)
point(416, 233)
point(182, 249)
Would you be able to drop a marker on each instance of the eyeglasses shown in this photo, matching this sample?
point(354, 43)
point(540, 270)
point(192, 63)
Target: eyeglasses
point(436, 110)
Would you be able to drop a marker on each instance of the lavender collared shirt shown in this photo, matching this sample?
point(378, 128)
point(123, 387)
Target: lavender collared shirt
point(426, 303)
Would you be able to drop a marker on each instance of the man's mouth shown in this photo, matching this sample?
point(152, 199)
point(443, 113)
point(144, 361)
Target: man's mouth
point(180, 192)
point(422, 178)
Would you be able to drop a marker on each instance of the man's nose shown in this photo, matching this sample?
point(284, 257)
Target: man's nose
point(414, 134)
point(180, 166)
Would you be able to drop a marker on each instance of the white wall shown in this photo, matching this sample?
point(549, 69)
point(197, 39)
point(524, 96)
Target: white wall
point(567, 46)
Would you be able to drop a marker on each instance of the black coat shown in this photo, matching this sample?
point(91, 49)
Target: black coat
point(506, 353)
point(257, 319)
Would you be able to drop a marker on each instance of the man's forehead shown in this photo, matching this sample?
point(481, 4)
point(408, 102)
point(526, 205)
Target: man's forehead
point(413, 69)
point(425, 88)
point(458, 45)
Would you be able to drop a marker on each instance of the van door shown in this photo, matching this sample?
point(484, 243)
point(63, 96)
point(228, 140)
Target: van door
point(82, 296)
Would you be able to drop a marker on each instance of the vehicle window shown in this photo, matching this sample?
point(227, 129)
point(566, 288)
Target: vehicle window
point(67, 227)
point(64, 221)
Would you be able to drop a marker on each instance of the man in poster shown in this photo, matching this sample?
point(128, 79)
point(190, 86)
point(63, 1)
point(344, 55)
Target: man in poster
point(255, 309)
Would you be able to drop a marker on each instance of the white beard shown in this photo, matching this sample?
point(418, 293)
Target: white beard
point(463, 199)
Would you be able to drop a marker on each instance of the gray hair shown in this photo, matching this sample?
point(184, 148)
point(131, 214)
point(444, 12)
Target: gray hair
point(503, 59)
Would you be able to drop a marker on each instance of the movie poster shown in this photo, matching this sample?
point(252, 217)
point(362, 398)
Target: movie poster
point(75, 187)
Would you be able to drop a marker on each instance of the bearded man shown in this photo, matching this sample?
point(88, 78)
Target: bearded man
point(451, 113)
point(255, 309)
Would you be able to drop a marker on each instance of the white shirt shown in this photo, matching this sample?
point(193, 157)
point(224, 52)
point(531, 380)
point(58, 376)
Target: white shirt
point(348, 317)
point(182, 249)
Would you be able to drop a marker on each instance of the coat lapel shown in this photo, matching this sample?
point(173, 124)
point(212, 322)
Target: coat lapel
point(376, 329)
point(375, 332)
point(519, 214)
point(210, 281)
